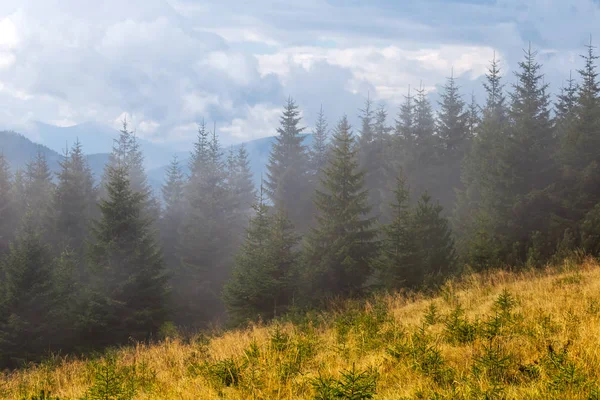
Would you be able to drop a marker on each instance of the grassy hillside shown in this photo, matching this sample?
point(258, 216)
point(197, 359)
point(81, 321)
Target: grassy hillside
point(501, 335)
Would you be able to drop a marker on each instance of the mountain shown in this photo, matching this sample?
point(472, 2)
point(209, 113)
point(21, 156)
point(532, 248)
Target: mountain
point(19, 150)
point(258, 151)
point(95, 138)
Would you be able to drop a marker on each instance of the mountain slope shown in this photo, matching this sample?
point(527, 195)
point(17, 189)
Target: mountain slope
point(19, 150)
point(502, 335)
point(95, 138)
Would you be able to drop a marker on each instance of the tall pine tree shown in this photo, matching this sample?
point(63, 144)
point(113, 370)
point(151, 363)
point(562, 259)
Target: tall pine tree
point(27, 299)
point(205, 247)
point(288, 179)
point(74, 200)
point(261, 284)
point(340, 249)
point(128, 282)
point(7, 212)
point(173, 214)
point(397, 262)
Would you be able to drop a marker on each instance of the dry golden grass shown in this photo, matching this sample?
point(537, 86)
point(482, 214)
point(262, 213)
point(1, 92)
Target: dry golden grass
point(544, 346)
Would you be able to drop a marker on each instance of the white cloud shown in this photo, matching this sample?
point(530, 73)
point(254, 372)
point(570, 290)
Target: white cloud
point(389, 69)
point(170, 63)
point(258, 121)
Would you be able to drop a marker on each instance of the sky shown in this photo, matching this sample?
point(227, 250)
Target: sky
point(168, 64)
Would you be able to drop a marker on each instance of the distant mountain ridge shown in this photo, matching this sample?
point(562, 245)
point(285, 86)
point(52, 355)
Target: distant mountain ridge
point(95, 138)
point(19, 150)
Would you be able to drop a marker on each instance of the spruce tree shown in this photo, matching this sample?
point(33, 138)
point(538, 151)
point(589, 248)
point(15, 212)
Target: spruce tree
point(288, 179)
point(580, 146)
point(74, 200)
point(473, 117)
point(420, 167)
point(477, 215)
point(205, 248)
point(529, 157)
point(39, 193)
point(454, 137)
point(435, 255)
point(319, 148)
point(565, 105)
point(261, 283)
point(128, 282)
point(18, 193)
point(7, 211)
point(173, 214)
point(397, 262)
point(26, 299)
point(341, 247)
point(372, 156)
point(241, 186)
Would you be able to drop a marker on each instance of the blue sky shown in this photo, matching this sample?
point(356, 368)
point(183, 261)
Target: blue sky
point(166, 64)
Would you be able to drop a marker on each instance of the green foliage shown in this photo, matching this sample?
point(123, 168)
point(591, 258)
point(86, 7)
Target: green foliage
point(111, 381)
point(27, 299)
point(226, 372)
point(353, 385)
point(288, 180)
point(74, 200)
point(340, 250)
point(7, 206)
point(493, 363)
point(128, 284)
point(205, 250)
point(422, 355)
point(262, 282)
point(432, 316)
point(436, 255)
point(458, 329)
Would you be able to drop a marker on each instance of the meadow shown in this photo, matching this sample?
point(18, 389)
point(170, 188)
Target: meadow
point(498, 335)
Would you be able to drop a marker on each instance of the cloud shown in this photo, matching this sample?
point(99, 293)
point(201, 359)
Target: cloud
point(169, 63)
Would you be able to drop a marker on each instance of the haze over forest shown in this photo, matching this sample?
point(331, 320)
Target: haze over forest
point(160, 176)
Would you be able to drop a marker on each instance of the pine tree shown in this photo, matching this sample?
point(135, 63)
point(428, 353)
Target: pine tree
point(128, 282)
point(403, 147)
point(205, 247)
point(565, 106)
point(7, 212)
point(68, 299)
point(340, 249)
point(241, 185)
point(261, 282)
point(319, 149)
point(436, 254)
point(397, 261)
point(529, 157)
point(479, 204)
point(18, 193)
point(473, 118)
point(372, 156)
point(580, 145)
point(421, 165)
point(74, 200)
point(39, 192)
point(26, 299)
point(173, 214)
point(454, 137)
point(387, 166)
point(288, 179)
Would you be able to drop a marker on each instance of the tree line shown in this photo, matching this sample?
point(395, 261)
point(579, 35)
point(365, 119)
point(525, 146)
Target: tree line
point(512, 182)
